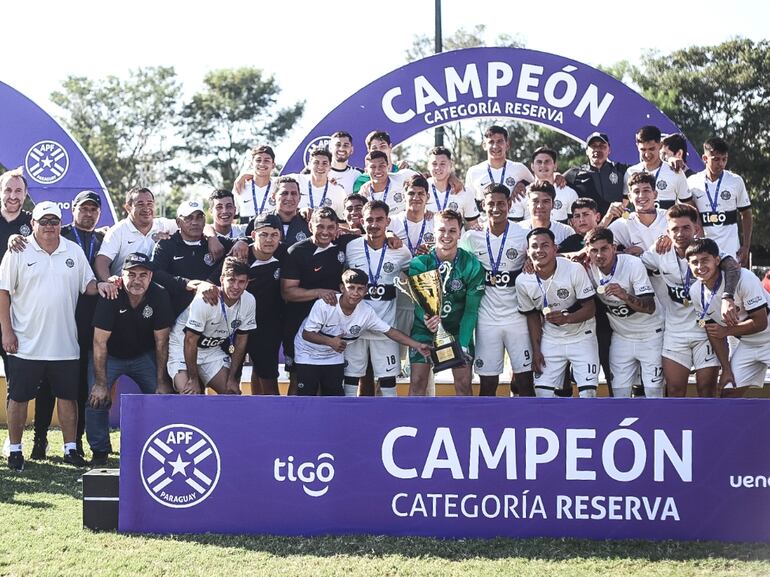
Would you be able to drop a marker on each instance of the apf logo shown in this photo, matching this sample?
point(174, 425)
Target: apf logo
point(179, 466)
point(314, 476)
point(47, 162)
point(317, 142)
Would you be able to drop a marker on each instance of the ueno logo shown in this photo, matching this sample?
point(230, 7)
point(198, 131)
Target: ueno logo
point(314, 476)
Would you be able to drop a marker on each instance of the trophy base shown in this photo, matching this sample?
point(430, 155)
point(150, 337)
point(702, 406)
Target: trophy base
point(447, 355)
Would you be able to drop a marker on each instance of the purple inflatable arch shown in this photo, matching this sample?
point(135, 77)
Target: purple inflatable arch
point(56, 168)
point(546, 89)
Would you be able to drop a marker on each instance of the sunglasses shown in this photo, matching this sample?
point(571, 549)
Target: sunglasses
point(49, 222)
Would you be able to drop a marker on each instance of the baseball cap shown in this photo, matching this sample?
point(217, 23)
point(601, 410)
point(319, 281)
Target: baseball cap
point(268, 221)
point(137, 259)
point(46, 207)
point(188, 207)
point(600, 135)
point(87, 196)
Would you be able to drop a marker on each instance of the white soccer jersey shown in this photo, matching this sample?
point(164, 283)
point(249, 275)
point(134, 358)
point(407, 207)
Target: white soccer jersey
point(413, 234)
point(330, 321)
point(253, 199)
point(562, 204)
point(631, 274)
point(718, 203)
point(482, 175)
point(499, 303)
point(677, 279)
point(382, 266)
point(559, 230)
point(463, 202)
point(236, 231)
point(330, 195)
point(669, 184)
point(749, 296)
point(44, 291)
point(631, 231)
point(214, 326)
point(568, 284)
point(345, 178)
point(123, 239)
point(394, 194)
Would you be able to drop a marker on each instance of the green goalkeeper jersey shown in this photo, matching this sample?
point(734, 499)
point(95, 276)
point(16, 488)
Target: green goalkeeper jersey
point(464, 289)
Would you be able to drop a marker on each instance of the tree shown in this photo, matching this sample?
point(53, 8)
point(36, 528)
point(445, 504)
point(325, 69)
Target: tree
point(465, 137)
point(720, 90)
point(120, 123)
point(236, 110)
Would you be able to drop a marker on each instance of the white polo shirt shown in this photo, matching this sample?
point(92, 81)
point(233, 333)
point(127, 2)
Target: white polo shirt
point(44, 291)
point(123, 238)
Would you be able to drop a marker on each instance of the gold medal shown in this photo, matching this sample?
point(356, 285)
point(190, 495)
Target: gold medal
point(492, 279)
point(231, 349)
point(546, 310)
point(686, 302)
point(713, 218)
point(600, 289)
point(701, 323)
point(626, 214)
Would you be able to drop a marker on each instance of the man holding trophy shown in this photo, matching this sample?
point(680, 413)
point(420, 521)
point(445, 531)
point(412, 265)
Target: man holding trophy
point(447, 284)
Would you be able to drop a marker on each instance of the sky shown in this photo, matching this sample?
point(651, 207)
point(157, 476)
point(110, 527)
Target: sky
point(325, 51)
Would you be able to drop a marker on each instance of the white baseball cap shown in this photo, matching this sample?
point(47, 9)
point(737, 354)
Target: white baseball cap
point(46, 207)
point(188, 207)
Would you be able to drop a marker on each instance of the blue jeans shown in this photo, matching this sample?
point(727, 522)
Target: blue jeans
point(141, 369)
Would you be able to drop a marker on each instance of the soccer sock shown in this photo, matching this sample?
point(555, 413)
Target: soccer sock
point(350, 384)
point(70, 447)
point(653, 392)
point(388, 387)
point(15, 448)
point(621, 392)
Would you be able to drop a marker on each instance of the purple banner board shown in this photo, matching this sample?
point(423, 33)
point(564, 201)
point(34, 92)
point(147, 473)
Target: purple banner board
point(55, 166)
point(563, 94)
point(447, 467)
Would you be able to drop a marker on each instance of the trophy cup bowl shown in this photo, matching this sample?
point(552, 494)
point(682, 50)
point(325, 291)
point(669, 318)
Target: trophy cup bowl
point(427, 291)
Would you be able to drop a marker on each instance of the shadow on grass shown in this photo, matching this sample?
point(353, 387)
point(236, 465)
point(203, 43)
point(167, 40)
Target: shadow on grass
point(545, 549)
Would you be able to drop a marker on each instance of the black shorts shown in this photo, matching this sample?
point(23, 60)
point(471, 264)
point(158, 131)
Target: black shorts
point(326, 378)
point(25, 376)
point(264, 344)
point(291, 327)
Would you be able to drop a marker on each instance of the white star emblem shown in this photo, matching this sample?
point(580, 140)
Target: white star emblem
point(179, 465)
point(47, 162)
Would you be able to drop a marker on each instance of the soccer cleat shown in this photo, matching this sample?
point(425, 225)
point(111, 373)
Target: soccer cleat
point(16, 461)
point(39, 449)
point(72, 458)
point(99, 458)
point(79, 447)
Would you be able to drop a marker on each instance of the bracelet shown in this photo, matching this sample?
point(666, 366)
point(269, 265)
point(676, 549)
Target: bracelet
point(727, 296)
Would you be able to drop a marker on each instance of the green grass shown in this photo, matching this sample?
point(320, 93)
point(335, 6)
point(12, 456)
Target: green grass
point(41, 534)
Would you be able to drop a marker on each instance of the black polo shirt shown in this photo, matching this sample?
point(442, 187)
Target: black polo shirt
point(265, 286)
point(314, 268)
point(294, 231)
point(90, 242)
point(605, 185)
point(133, 329)
point(22, 224)
point(176, 262)
point(572, 243)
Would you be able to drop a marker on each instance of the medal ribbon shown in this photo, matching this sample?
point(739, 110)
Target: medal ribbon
point(502, 176)
point(495, 264)
point(711, 299)
point(439, 206)
point(264, 198)
point(90, 252)
point(412, 249)
point(230, 335)
point(310, 193)
point(374, 278)
point(604, 281)
point(715, 201)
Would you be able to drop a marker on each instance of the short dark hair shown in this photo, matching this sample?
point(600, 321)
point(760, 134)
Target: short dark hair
point(377, 135)
point(321, 151)
point(262, 149)
point(377, 205)
point(355, 276)
point(219, 193)
point(355, 196)
point(647, 133)
point(641, 177)
point(325, 212)
point(544, 150)
point(599, 233)
point(701, 244)
point(584, 202)
point(417, 180)
point(496, 129)
point(542, 186)
point(286, 180)
point(138, 190)
point(375, 154)
point(342, 134)
point(438, 150)
point(683, 211)
point(231, 266)
point(541, 230)
point(716, 144)
point(499, 188)
point(450, 214)
point(676, 142)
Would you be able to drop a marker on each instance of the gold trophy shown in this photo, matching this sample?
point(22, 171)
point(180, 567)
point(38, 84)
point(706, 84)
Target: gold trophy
point(427, 290)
